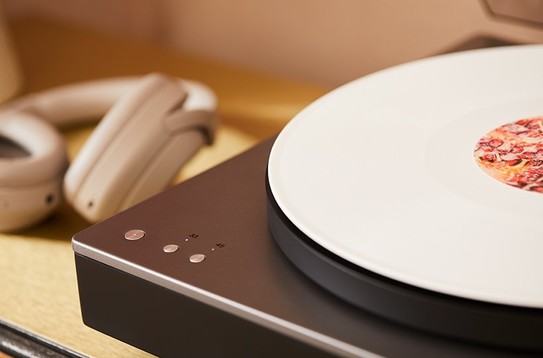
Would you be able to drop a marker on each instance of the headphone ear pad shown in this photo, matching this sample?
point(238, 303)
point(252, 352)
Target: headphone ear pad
point(30, 186)
point(123, 144)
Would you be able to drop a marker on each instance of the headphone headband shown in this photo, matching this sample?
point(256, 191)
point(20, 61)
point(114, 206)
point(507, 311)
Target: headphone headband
point(81, 102)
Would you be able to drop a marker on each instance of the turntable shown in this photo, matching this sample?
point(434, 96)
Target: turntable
point(395, 216)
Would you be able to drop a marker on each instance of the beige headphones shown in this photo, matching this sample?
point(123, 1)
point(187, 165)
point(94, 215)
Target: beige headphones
point(152, 127)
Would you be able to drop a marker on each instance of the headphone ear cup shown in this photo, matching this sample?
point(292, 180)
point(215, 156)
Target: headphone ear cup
point(30, 186)
point(124, 143)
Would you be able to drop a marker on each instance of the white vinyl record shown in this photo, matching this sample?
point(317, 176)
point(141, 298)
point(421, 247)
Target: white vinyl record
point(388, 172)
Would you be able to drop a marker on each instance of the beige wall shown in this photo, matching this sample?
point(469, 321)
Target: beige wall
point(322, 41)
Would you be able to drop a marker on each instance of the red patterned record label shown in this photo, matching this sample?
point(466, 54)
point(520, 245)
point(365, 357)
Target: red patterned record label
point(513, 154)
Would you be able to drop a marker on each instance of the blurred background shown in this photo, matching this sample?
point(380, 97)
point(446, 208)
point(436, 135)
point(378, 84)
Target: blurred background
point(319, 41)
point(265, 60)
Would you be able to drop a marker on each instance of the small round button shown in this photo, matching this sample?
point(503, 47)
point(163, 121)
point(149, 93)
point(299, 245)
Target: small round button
point(197, 258)
point(170, 248)
point(134, 234)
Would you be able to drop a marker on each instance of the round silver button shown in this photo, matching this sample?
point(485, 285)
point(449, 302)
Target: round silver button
point(197, 258)
point(134, 234)
point(170, 248)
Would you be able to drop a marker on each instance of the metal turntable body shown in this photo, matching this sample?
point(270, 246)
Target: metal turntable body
point(244, 298)
point(219, 265)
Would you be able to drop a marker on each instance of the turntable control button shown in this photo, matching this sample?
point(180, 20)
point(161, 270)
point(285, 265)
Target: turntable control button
point(134, 234)
point(197, 258)
point(170, 248)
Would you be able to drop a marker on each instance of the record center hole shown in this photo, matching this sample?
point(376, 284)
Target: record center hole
point(90, 204)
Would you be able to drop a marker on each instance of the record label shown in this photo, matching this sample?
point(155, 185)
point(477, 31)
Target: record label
point(513, 154)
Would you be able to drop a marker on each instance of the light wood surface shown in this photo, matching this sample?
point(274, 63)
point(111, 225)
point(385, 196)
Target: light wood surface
point(38, 287)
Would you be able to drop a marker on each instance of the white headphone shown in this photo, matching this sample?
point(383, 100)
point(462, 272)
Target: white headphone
point(152, 127)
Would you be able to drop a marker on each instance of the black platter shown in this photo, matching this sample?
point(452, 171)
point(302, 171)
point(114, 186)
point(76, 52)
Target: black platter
point(465, 319)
